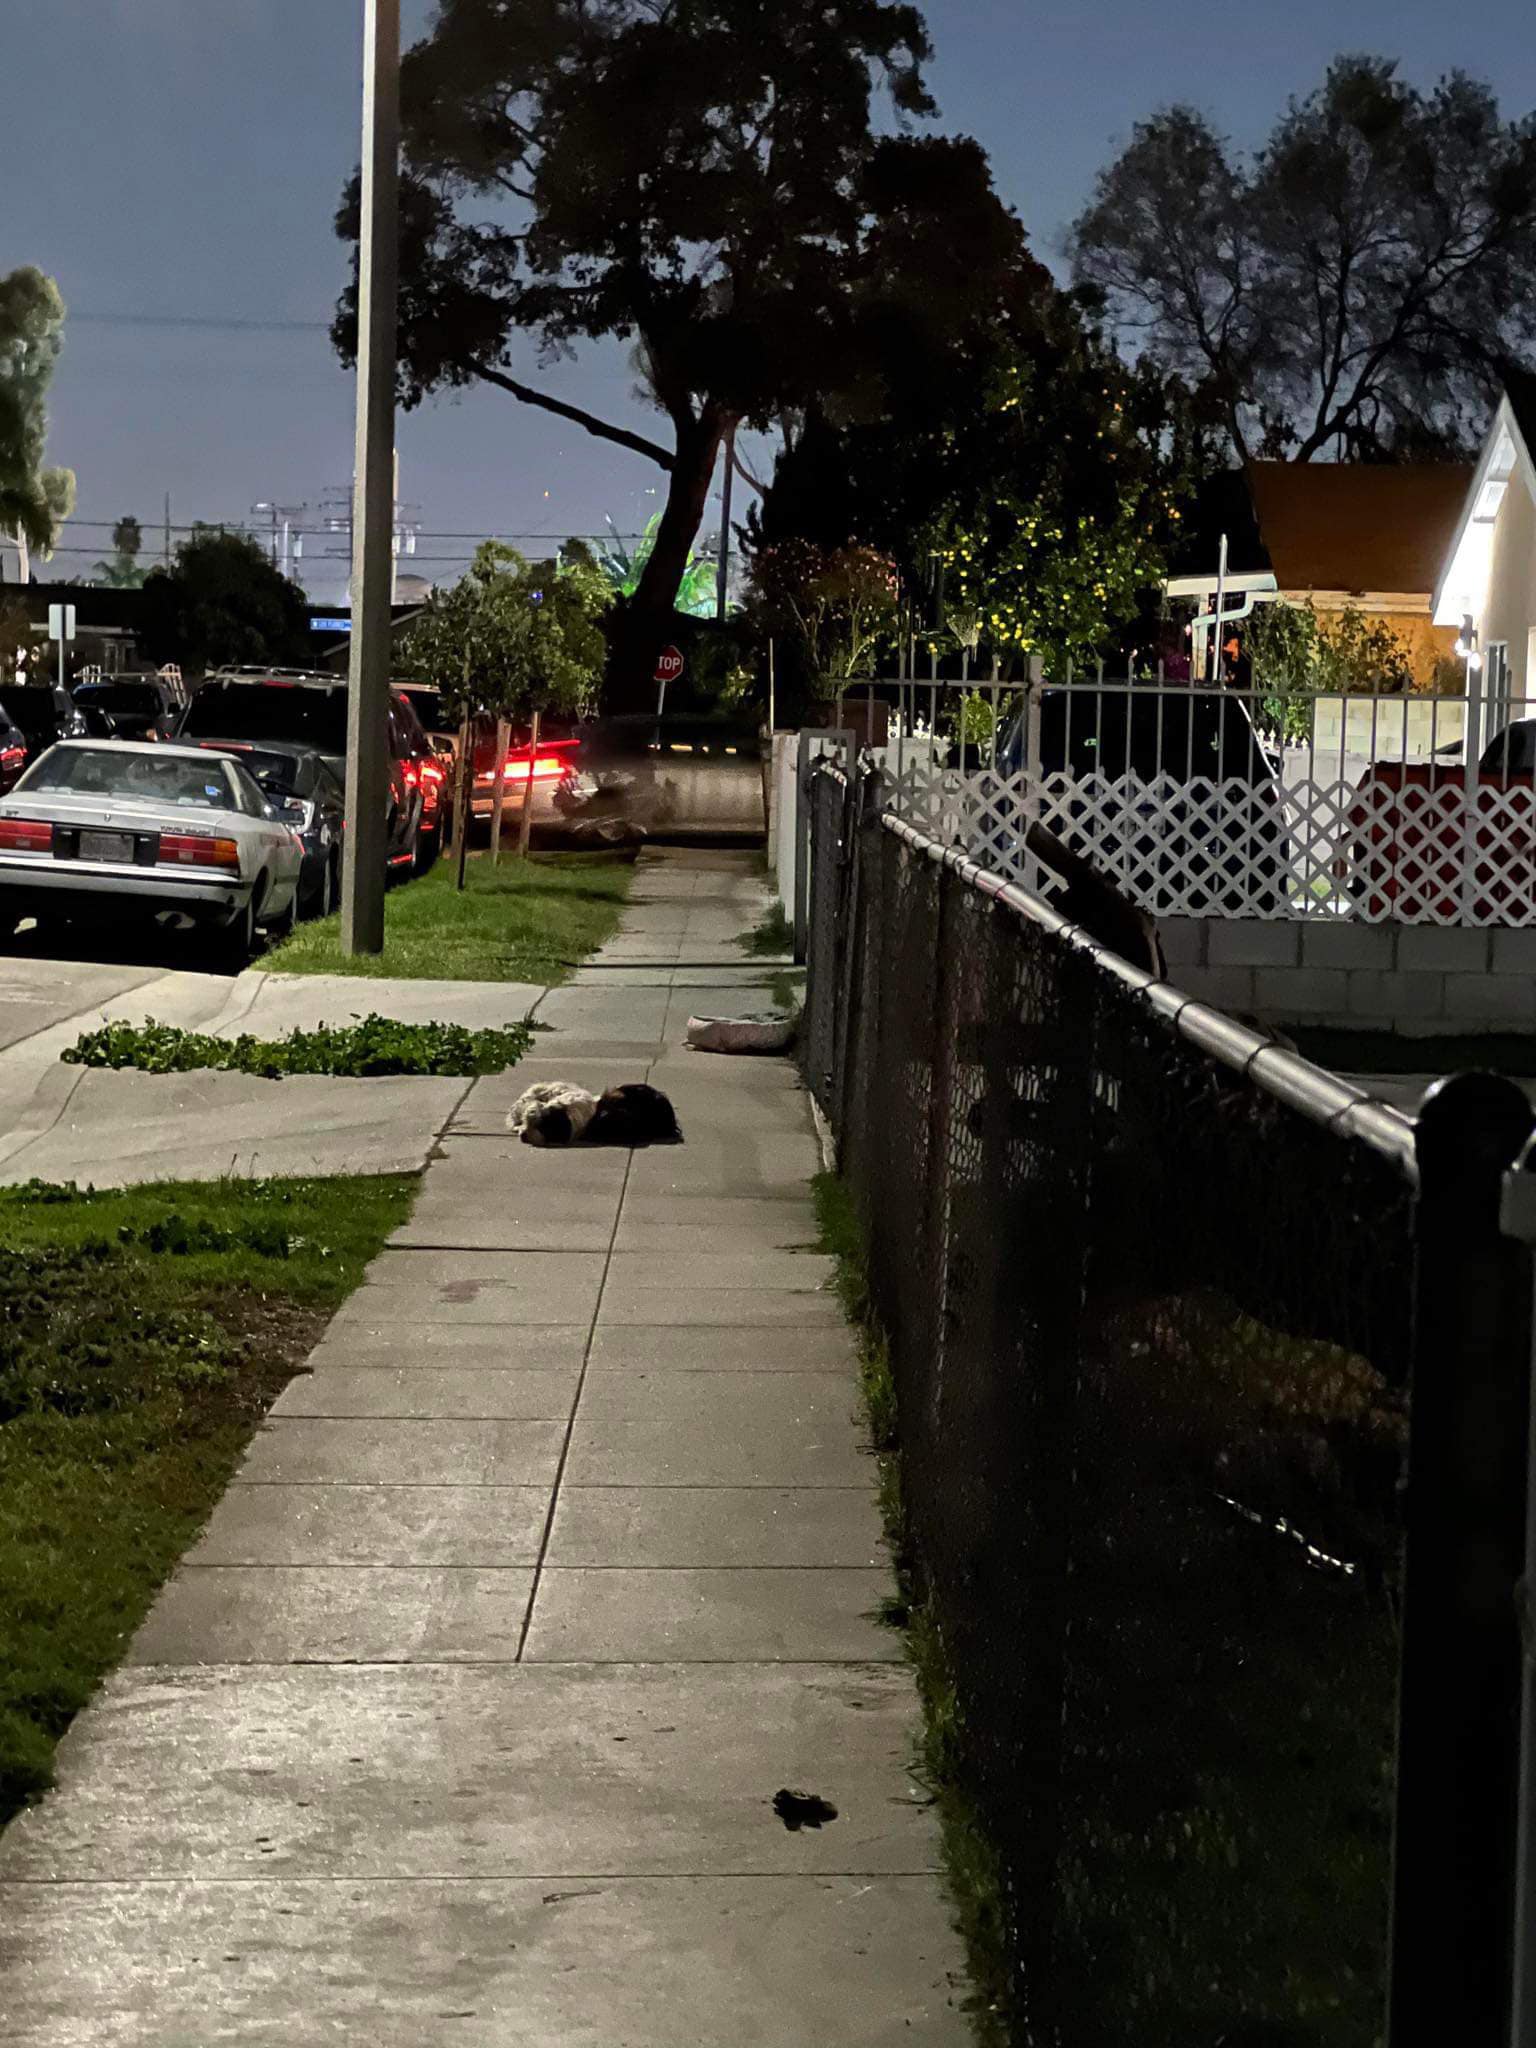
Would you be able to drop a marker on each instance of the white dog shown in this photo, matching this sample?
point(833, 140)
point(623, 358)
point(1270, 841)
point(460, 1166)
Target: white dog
point(551, 1113)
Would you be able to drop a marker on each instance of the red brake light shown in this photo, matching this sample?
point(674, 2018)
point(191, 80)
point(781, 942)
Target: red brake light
point(409, 772)
point(199, 850)
point(12, 757)
point(544, 765)
point(25, 835)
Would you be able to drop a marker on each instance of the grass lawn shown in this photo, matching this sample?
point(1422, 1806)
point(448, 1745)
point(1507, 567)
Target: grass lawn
point(529, 920)
point(143, 1335)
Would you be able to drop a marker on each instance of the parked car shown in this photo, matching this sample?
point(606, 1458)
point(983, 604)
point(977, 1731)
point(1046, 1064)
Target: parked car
point(424, 768)
point(46, 715)
point(1169, 790)
point(140, 707)
point(1406, 856)
point(306, 790)
point(558, 779)
point(13, 751)
point(106, 829)
point(304, 710)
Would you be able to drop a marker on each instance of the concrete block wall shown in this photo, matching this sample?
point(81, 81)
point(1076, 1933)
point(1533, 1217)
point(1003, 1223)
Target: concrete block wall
point(1420, 981)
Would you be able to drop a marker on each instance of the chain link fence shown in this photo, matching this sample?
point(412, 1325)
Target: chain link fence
point(1156, 1302)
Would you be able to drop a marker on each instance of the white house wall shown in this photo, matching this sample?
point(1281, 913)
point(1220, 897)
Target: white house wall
point(1509, 613)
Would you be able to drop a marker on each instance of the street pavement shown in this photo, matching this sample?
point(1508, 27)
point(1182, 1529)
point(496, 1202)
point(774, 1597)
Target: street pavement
point(465, 1719)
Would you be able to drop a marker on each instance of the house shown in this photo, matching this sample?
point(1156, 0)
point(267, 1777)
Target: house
point(1335, 535)
point(1486, 588)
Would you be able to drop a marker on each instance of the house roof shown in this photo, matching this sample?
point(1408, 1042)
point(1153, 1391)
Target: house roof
point(1357, 526)
point(1508, 457)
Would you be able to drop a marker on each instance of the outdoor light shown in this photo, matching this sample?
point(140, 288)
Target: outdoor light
point(1466, 643)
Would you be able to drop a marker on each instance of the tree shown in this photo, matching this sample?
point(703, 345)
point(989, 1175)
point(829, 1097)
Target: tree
point(837, 603)
point(1297, 653)
point(1354, 290)
point(702, 178)
point(512, 639)
point(222, 604)
point(122, 572)
point(1026, 480)
point(34, 501)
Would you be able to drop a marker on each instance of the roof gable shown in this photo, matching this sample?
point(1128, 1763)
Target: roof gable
point(1462, 585)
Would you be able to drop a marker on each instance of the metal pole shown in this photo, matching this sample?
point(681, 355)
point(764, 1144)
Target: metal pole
point(1221, 593)
point(723, 580)
point(362, 900)
point(1459, 1711)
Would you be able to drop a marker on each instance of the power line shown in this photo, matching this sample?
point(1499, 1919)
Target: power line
point(203, 322)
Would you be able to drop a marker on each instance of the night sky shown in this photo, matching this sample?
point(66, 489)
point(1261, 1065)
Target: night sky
point(178, 161)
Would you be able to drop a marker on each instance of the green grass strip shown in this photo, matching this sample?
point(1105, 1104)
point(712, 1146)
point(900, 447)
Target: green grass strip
point(143, 1335)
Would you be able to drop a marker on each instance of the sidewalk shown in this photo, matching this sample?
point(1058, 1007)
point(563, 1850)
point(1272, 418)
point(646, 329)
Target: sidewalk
point(465, 1719)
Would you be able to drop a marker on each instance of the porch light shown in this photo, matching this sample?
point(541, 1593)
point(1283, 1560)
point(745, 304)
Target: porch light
point(1466, 644)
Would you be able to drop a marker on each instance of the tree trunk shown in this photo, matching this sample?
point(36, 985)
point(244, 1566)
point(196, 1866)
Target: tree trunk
point(525, 829)
point(648, 622)
point(498, 795)
point(463, 808)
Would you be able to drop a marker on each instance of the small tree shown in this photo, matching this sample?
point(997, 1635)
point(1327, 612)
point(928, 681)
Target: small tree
point(838, 604)
point(511, 640)
point(34, 500)
point(1297, 654)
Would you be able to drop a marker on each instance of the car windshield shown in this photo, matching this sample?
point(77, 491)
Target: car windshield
point(136, 698)
point(279, 774)
point(269, 711)
point(428, 707)
point(144, 778)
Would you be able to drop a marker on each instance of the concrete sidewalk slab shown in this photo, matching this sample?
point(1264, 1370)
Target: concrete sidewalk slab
point(617, 1615)
point(120, 1129)
point(335, 1614)
point(733, 1308)
point(687, 1271)
point(725, 1429)
point(780, 1962)
point(693, 1526)
point(318, 1451)
point(375, 1524)
point(667, 1347)
point(481, 1770)
point(690, 1223)
point(270, 1005)
point(542, 1347)
point(453, 1393)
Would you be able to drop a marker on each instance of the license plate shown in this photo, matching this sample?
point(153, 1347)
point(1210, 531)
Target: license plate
point(106, 846)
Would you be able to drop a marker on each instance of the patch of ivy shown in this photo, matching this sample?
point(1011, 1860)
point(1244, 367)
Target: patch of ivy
point(373, 1045)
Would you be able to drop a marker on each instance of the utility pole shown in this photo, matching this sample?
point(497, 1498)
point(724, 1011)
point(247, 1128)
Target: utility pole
point(362, 898)
point(167, 529)
point(723, 583)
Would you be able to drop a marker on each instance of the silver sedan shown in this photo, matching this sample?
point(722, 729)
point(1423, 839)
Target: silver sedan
point(106, 829)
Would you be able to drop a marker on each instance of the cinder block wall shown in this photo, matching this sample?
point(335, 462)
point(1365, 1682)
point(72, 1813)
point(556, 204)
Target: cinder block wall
point(1421, 981)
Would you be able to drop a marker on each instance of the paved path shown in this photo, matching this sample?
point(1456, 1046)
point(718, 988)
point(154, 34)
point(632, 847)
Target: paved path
point(464, 1720)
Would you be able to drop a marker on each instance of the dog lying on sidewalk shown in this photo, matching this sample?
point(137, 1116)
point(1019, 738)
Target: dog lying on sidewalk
point(560, 1113)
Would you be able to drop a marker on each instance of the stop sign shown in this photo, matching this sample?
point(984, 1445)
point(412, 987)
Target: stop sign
point(669, 665)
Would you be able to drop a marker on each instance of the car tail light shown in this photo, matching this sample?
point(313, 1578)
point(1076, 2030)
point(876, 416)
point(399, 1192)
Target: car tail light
point(544, 765)
point(12, 757)
point(430, 772)
point(198, 850)
point(25, 835)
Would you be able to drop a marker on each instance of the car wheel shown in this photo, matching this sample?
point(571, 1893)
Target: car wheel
point(237, 939)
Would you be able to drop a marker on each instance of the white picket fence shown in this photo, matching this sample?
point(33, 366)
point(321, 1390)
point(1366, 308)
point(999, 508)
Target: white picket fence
point(1210, 802)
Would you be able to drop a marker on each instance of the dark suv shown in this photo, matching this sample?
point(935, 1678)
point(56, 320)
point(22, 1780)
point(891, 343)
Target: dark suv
point(1170, 790)
point(138, 707)
point(304, 710)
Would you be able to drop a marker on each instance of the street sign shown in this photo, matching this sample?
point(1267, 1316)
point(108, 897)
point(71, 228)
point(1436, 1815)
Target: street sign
point(61, 622)
point(669, 665)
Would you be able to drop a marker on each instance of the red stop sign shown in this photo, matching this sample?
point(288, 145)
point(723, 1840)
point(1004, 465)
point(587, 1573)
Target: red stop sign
point(669, 665)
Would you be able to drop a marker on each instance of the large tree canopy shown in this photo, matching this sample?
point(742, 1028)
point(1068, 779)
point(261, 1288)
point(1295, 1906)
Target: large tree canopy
point(34, 500)
point(1355, 289)
point(700, 178)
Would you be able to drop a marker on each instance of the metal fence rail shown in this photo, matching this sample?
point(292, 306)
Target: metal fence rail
point(1230, 802)
point(1172, 1314)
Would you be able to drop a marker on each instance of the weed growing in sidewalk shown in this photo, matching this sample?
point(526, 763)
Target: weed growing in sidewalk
point(771, 938)
point(373, 1045)
point(143, 1335)
point(973, 1870)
